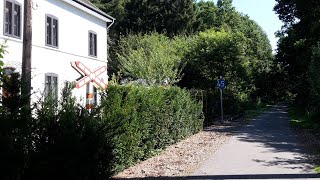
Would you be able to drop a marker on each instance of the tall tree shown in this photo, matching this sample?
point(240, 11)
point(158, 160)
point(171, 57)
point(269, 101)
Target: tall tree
point(116, 8)
point(171, 17)
point(224, 15)
point(206, 13)
point(299, 39)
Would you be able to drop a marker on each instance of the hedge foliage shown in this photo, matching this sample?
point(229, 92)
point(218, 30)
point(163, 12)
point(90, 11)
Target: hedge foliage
point(64, 141)
point(150, 119)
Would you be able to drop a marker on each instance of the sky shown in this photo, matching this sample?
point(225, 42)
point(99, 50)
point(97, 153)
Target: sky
point(262, 12)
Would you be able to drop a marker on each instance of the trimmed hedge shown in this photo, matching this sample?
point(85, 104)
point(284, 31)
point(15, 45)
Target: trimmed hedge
point(65, 141)
point(150, 119)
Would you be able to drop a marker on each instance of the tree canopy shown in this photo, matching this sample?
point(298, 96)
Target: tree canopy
point(298, 49)
point(154, 58)
point(170, 17)
point(155, 39)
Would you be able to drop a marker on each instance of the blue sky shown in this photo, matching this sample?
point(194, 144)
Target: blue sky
point(262, 12)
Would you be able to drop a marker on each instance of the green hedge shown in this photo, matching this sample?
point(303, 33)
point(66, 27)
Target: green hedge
point(65, 141)
point(151, 118)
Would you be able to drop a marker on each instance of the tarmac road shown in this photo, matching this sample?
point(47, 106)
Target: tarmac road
point(267, 148)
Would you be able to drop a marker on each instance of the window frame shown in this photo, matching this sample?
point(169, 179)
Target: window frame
point(51, 31)
point(95, 44)
point(12, 16)
point(48, 92)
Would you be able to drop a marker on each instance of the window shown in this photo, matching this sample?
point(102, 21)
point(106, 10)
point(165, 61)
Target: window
point(51, 86)
point(12, 19)
point(52, 26)
point(92, 44)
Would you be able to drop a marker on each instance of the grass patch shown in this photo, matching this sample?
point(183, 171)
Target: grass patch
point(317, 169)
point(299, 119)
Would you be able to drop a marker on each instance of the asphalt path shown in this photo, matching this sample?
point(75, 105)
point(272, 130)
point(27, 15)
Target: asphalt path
point(267, 148)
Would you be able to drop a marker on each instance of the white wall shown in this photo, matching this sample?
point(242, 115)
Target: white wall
point(74, 26)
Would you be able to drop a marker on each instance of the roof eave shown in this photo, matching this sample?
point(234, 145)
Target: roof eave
point(95, 10)
point(90, 10)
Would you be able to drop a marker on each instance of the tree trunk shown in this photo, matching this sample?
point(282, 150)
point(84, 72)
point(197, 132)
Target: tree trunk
point(26, 52)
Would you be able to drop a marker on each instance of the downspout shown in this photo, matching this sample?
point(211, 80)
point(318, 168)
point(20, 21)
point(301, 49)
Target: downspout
point(108, 26)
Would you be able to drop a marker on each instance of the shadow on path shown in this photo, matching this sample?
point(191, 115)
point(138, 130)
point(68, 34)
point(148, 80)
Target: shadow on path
point(273, 131)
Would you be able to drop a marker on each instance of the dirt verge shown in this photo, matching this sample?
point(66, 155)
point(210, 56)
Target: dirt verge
point(185, 157)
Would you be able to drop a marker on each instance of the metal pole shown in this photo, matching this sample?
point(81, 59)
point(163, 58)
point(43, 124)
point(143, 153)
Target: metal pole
point(26, 52)
point(89, 96)
point(221, 105)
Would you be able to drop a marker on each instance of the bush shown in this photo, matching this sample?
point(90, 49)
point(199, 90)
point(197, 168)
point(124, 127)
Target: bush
point(154, 58)
point(14, 130)
point(150, 119)
point(314, 79)
point(70, 142)
point(64, 141)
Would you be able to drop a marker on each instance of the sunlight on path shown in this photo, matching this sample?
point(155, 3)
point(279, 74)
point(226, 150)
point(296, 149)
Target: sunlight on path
point(266, 147)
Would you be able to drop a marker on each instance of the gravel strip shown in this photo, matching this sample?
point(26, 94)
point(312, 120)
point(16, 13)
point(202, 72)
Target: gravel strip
point(185, 157)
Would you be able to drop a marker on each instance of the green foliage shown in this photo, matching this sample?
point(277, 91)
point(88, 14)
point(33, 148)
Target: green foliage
point(214, 53)
point(272, 86)
point(58, 142)
point(64, 141)
point(298, 51)
point(150, 119)
point(225, 16)
point(2, 52)
point(227, 43)
point(14, 130)
point(206, 13)
point(220, 52)
point(70, 143)
point(301, 120)
point(239, 50)
point(171, 17)
point(154, 58)
point(314, 80)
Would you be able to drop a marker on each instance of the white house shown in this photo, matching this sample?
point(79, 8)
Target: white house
point(63, 31)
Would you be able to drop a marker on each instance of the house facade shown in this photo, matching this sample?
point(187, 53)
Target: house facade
point(63, 31)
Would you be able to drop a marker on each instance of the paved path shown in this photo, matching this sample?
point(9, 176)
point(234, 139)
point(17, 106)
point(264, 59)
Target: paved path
point(265, 149)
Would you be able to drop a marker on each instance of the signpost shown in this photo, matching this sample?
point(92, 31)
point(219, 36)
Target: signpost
point(221, 84)
point(88, 76)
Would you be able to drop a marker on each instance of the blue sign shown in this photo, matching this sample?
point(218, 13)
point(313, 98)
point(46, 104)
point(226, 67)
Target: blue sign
point(221, 83)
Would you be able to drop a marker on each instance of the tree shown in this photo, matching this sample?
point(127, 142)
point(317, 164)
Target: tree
point(154, 58)
point(314, 78)
point(206, 13)
point(116, 8)
point(215, 53)
point(225, 16)
point(171, 17)
point(298, 38)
